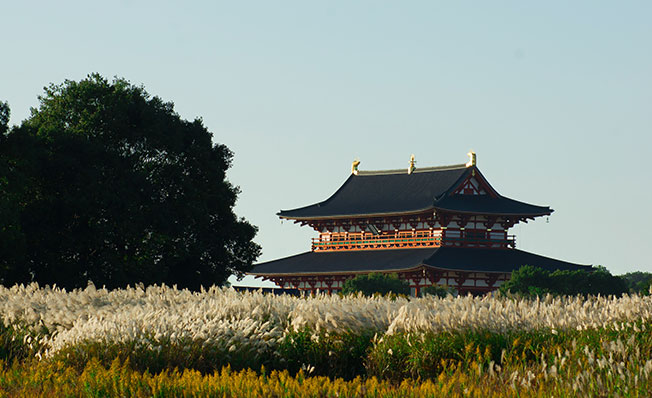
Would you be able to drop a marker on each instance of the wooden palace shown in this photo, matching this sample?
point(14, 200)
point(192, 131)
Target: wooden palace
point(431, 226)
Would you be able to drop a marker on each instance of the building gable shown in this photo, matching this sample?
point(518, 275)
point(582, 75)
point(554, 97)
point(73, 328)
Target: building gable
point(471, 186)
point(474, 184)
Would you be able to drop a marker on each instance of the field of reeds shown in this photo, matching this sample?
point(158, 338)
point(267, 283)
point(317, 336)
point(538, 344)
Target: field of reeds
point(161, 341)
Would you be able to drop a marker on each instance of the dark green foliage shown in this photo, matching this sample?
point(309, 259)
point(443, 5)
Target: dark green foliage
point(17, 188)
point(638, 282)
point(184, 354)
point(18, 342)
point(105, 183)
point(376, 283)
point(336, 355)
point(426, 356)
point(4, 117)
point(394, 357)
point(645, 288)
point(12, 346)
point(526, 280)
point(437, 291)
point(533, 281)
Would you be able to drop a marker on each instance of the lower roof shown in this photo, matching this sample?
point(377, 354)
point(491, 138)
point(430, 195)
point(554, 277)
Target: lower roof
point(447, 258)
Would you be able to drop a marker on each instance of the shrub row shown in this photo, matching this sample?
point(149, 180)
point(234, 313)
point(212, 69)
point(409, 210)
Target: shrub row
point(604, 362)
point(348, 355)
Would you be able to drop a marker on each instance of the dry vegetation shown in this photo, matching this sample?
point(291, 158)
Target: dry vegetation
point(168, 342)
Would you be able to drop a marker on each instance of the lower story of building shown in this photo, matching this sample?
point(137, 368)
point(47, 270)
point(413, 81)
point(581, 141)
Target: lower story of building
point(418, 279)
point(466, 270)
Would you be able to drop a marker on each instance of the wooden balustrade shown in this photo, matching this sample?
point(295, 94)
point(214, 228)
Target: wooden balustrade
point(368, 241)
point(401, 240)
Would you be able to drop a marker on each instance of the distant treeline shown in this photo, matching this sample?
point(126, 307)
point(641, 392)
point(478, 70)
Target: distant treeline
point(526, 281)
point(534, 281)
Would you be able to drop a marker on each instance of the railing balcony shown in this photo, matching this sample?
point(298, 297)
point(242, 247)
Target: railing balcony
point(404, 240)
point(357, 241)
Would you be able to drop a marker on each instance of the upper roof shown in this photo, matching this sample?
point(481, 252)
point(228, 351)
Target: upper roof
point(395, 192)
point(449, 258)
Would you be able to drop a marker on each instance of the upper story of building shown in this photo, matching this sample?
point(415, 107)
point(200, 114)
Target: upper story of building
point(451, 206)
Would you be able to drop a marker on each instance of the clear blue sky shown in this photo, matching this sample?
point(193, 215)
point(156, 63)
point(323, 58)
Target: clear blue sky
point(555, 97)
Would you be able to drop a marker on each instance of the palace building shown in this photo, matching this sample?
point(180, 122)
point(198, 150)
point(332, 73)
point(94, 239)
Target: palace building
point(432, 226)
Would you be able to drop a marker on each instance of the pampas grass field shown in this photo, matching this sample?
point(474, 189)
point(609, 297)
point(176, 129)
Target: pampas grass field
point(162, 341)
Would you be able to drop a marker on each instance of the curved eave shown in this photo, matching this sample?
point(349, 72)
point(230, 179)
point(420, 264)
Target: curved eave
point(462, 270)
point(409, 269)
point(415, 268)
point(407, 260)
point(366, 215)
point(495, 260)
point(486, 205)
point(339, 272)
point(548, 212)
point(319, 204)
point(545, 212)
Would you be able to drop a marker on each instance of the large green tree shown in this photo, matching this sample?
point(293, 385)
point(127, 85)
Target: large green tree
point(15, 153)
point(107, 183)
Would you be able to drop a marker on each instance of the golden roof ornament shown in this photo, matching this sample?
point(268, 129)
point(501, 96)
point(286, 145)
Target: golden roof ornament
point(354, 167)
point(412, 164)
point(472, 159)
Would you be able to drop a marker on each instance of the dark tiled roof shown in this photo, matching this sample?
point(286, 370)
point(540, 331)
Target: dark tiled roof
point(494, 260)
point(345, 262)
point(389, 192)
point(463, 259)
point(397, 192)
point(485, 204)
